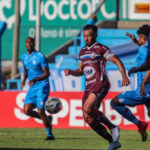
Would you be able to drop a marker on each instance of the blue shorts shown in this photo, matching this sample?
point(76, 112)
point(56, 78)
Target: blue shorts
point(37, 95)
point(133, 98)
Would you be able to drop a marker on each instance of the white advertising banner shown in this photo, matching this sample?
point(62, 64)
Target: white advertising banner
point(139, 9)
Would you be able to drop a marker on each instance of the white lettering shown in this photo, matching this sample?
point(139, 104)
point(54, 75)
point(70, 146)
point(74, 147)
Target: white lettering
point(54, 6)
point(72, 11)
point(31, 10)
point(147, 118)
point(63, 113)
point(106, 14)
point(74, 113)
point(80, 7)
point(112, 114)
point(18, 111)
point(63, 16)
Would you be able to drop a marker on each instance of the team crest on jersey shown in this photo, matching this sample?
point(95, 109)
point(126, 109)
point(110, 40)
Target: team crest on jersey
point(92, 55)
point(34, 62)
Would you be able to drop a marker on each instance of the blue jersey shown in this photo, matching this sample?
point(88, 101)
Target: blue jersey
point(140, 59)
point(34, 64)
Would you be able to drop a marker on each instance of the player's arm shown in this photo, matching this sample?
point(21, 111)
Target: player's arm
point(144, 67)
point(133, 38)
point(45, 75)
point(78, 72)
point(145, 80)
point(117, 61)
point(25, 75)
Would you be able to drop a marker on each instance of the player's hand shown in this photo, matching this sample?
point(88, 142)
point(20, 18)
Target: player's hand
point(31, 82)
point(125, 81)
point(132, 70)
point(131, 36)
point(66, 71)
point(142, 90)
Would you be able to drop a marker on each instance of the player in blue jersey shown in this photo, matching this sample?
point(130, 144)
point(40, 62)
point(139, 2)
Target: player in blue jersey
point(37, 71)
point(133, 98)
point(145, 66)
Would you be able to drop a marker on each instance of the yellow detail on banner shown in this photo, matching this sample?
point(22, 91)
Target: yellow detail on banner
point(142, 8)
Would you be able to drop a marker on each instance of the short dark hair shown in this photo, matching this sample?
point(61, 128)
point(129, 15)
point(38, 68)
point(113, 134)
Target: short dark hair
point(90, 26)
point(145, 30)
point(32, 39)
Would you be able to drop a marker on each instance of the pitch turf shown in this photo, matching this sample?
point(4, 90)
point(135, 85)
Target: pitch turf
point(67, 139)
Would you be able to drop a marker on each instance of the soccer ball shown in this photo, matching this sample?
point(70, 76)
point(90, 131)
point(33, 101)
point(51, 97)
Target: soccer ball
point(53, 105)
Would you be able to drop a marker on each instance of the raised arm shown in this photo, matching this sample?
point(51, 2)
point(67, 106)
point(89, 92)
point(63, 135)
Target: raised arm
point(117, 61)
point(146, 65)
point(133, 38)
point(78, 72)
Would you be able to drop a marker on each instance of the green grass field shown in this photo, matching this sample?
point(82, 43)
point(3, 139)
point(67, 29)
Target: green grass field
point(67, 139)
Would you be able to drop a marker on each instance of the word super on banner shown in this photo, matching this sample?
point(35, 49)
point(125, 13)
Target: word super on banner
point(11, 111)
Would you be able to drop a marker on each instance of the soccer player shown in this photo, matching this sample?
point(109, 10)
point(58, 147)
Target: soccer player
point(133, 98)
point(92, 60)
point(37, 71)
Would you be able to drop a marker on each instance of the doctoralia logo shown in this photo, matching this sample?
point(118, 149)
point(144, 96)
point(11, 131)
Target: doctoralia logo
point(63, 10)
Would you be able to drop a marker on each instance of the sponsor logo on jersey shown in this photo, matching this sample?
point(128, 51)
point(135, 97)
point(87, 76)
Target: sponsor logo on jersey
point(89, 72)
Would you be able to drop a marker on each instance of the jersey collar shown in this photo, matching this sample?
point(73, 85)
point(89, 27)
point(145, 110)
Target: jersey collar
point(88, 47)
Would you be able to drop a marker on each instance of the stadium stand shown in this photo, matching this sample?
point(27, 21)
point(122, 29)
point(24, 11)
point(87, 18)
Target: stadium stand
point(118, 43)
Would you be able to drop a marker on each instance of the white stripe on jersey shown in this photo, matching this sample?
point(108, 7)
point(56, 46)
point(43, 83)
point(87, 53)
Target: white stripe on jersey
point(108, 54)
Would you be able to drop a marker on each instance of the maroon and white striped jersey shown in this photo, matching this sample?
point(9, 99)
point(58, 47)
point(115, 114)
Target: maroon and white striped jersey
point(93, 60)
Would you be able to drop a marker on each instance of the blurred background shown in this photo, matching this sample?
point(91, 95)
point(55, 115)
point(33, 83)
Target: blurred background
point(56, 24)
point(56, 27)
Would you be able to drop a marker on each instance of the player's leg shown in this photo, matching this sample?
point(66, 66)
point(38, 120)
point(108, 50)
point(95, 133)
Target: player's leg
point(42, 96)
point(148, 107)
point(89, 119)
point(47, 124)
point(101, 117)
point(28, 110)
point(30, 104)
point(130, 98)
point(95, 124)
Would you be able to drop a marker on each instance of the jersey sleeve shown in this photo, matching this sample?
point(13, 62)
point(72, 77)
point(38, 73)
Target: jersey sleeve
point(43, 61)
point(107, 53)
point(80, 60)
point(22, 60)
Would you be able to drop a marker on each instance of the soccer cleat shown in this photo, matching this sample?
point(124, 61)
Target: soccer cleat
point(114, 145)
point(142, 129)
point(115, 134)
point(50, 138)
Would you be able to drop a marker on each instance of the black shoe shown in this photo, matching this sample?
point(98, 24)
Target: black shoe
point(50, 138)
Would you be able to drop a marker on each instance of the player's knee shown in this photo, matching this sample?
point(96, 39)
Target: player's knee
point(41, 112)
point(88, 119)
point(87, 110)
point(114, 101)
point(26, 111)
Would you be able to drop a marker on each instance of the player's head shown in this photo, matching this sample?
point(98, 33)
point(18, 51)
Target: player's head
point(30, 43)
point(90, 34)
point(143, 33)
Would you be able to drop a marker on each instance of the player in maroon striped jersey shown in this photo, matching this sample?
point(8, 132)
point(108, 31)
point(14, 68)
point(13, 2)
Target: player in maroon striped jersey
point(92, 60)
